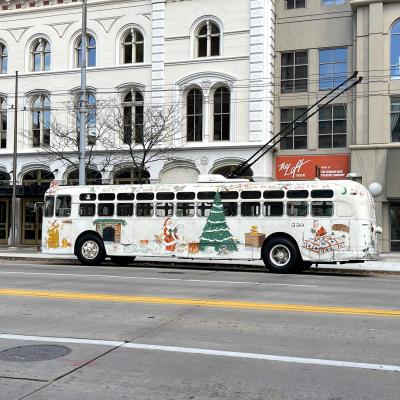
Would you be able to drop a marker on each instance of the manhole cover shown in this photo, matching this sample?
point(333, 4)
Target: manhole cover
point(40, 352)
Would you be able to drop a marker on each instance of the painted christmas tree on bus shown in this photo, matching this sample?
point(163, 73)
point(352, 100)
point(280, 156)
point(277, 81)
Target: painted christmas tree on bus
point(216, 232)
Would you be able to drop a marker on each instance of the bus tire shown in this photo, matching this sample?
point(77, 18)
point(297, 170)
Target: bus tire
point(122, 260)
point(281, 255)
point(90, 250)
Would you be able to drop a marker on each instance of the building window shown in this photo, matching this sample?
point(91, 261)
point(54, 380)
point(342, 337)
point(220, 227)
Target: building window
point(328, 3)
point(40, 55)
point(208, 39)
point(37, 177)
point(41, 121)
point(90, 52)
point(395, 119)
point(332, 67)
point(222, 114)
point(395, 226)
point(298, 138)
point(3, 58)
point(3, 124)
point(332, 127)
point(130, 176)
point(292, 4)
point(133, 109)
point(194, 116)
point(294, 71)
point(93, 177)
point(395, 50)
point(90, 118)
point(133, 47)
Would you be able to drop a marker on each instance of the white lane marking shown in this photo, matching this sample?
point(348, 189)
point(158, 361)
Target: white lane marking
point(207, 352)
point(152, 279)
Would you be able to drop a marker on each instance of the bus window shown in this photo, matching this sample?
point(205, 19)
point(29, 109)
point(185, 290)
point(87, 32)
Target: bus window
point(273, 209)
point(124, 209)
point(251, 209)
point(322, 194)
point(297, 194)
point(87, 196)
point(297, 208)
point(164, 209)
point(107, 196)
point(250, 194)
point(125, 196)
point(344, 209)
point(49, 206)
point(185, 209)
point(230, 209)
point(203, 209)
point(185, 196)
point(105, 209)
point(87, 210)
point(229, 195)
point(322, 209)
point(274, 194)
point(144, 209)
point(63, 206)
point(206, 195)
point(145, 196)
point(165, 196)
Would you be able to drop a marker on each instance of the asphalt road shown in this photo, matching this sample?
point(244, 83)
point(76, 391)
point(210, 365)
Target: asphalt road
point(151, 333)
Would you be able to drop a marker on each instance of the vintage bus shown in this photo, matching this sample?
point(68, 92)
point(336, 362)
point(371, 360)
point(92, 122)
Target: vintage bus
point(288, 225)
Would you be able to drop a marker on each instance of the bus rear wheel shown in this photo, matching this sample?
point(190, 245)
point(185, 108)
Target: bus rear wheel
point(122, 260)
point(281, 256)
point(90, 250)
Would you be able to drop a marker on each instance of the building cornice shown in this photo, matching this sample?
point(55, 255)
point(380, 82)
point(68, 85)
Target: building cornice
point(360, 3)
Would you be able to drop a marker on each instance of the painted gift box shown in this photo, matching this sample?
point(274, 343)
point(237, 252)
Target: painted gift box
point(323, 244)
point(254, 239)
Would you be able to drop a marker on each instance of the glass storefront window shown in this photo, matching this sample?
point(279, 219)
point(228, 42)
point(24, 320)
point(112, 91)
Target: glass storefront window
point(395, 226)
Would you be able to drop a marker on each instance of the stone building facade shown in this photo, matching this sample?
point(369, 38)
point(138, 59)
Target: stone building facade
point(220, 54)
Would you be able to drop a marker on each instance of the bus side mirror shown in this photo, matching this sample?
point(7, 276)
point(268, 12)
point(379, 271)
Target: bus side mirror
point(378, 230)
point(39, 205)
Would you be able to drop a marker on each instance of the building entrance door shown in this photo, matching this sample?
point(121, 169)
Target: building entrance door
point(31, 222)
point(395, 226)
point(4, 220)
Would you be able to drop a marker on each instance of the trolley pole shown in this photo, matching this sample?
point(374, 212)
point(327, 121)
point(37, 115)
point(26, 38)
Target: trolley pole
point(14, 189)
point(83, 100)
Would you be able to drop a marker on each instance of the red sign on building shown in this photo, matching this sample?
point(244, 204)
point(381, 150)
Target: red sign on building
point(310, 167)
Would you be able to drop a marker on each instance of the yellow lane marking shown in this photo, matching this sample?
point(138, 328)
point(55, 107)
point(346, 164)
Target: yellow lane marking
point(200, 302)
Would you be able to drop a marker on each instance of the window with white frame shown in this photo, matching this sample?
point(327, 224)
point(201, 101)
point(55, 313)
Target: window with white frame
point(40, 55)
point(40, 115)
point(332, 67)
point(194, 115)
point(395, 119)
point(395, 50)
point(132, 47)
point(90, 51)
point(328, 3)
point(222, 113)
point(3, 123)
point(208, 39)
point(297, 139)
point(3, 58)
point(90, 117)
point(294, 71)
point(292, 4)
point(332, 126)
point(133, 112)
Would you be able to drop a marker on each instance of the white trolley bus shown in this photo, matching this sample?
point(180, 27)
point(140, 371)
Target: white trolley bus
point(289, 225)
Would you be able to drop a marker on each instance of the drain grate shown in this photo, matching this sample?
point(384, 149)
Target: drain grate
point(32, 353)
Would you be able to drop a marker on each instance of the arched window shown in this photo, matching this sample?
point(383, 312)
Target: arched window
point(3, 58)
point(4, 178)
point(228, 169)
point(90, 51)
point(132, 47)
point(41, 115)
point(90, 118)
point(208, 39)
point(37, 177)
point(40, 55)
point(395, 50)
point(3, 124)
point(222, 113)
point(93, 177)
point(194, 116)
point(133, 109)
point(130, 176)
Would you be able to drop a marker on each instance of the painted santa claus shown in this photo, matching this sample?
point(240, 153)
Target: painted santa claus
point(170, 236)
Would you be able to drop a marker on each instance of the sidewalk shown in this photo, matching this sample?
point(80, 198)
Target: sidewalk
point(388, 263)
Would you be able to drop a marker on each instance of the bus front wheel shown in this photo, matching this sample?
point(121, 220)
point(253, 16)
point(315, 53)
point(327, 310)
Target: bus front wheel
point(90, 250)
point(281, 255)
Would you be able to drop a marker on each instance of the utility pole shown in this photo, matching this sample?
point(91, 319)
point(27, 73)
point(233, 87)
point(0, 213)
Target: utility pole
point(83, 100)
point(14, 191)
